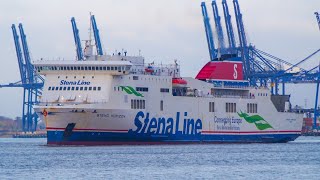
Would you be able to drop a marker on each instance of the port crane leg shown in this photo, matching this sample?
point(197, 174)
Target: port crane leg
point(316, 108)
point(316, 103)
point(23, 112)
point(318, 81)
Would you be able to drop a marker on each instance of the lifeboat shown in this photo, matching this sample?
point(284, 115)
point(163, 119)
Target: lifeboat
point(179, 82)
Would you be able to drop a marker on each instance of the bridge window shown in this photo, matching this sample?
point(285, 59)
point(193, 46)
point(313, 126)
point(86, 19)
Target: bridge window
point(99, 88)
point(69, 88)
point(60, 89)
point(135, 77)
point(94, 88)
point(104, 68)
point(77, 88)
point(108, 68)
point(86, 88)
point(90, 88)
point(49, 88)
point(64, 88)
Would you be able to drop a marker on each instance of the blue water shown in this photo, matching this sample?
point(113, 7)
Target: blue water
point(32, 159)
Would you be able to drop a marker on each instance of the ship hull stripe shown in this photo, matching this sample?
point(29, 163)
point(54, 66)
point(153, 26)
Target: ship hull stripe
point(118, 138)
point(203, 132)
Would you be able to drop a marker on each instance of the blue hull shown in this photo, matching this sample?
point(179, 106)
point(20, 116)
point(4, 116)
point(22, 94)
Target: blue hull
point(111, 138)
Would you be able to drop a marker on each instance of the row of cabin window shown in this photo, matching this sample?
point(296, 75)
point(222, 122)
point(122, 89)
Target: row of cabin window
point(84, 68)
point(252, 108)
point(262, 94)
point(150, 79)
point(165, 90)
point(74, 88)
point(138, 104)
point(142, 89)
point(232, 107)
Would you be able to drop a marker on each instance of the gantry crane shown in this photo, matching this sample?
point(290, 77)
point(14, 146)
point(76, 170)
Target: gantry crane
point(30, 82)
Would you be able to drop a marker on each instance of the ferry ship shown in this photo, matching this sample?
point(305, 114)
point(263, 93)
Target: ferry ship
point(120, 99)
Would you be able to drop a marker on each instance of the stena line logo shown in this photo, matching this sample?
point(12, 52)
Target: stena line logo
point(75, 83)
point(145, 124)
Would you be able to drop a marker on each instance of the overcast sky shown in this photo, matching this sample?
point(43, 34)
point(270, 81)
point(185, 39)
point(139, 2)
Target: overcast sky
point(164, 30)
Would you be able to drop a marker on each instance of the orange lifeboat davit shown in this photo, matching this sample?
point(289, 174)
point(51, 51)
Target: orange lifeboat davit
point(179, 82)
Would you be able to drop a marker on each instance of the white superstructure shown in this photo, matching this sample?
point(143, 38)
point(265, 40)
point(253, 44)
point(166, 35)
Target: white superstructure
point(121, 99)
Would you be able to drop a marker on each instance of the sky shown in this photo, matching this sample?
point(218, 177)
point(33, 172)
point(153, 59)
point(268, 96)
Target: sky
point(163, 30)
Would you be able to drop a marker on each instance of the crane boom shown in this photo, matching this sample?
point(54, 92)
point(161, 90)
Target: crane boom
point(217, 20)
point(242, 39)
point(19, 54)
point(303, 60)
point(241, 31)
point(229, 28)
point(96, 36)
point(77, 39)
point(29, 66)
point(208, 30)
